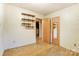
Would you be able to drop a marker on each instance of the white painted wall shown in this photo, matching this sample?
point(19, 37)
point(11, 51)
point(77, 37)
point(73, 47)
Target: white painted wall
point(14, 34)
point(69, 26)
point(1, 28)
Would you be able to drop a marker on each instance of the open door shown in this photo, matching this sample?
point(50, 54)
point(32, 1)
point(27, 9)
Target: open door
point(56, 30)
point(46, 30)
point(38, 30)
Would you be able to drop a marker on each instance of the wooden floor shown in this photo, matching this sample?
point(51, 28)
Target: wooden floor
point(39, 50)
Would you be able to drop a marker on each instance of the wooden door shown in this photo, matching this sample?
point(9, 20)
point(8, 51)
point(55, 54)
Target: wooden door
point(56, 21)
point(46, 30)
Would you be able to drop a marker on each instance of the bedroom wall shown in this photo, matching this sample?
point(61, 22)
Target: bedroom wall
point(69, 26)
point(16, 35)
point(1, 28)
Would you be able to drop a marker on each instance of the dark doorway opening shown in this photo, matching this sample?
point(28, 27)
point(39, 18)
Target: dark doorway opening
point(37, 28)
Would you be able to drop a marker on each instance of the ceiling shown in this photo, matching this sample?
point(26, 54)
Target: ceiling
point(43, 8)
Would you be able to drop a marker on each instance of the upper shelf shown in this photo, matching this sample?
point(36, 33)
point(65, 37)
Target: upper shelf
point(28, 14)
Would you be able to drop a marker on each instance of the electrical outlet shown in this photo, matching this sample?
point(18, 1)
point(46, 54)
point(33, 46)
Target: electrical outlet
point(75, 44)
point(78, 45)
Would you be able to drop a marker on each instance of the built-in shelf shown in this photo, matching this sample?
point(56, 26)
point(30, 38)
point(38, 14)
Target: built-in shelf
point(28, 15)
point(23, 19)
point(54, 25)
point(28, 21)
point(29, 27)
point(24, 24)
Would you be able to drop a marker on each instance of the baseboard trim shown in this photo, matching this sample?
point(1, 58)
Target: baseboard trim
point(70, 49)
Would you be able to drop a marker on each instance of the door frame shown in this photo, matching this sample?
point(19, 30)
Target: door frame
point(58, 29)
point(40, 22)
